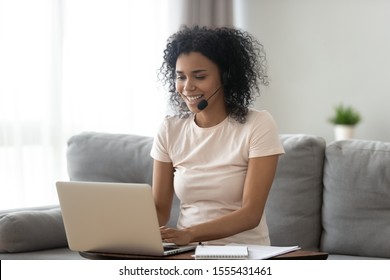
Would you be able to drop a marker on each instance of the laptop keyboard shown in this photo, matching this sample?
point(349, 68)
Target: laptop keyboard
point(170, 247)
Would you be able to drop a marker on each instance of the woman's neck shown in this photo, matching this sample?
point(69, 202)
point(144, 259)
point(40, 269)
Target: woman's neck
point(206, 119)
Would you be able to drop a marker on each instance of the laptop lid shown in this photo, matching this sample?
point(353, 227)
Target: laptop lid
point(111, 218)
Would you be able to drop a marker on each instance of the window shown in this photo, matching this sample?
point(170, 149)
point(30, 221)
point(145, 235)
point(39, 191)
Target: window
point(68, 67)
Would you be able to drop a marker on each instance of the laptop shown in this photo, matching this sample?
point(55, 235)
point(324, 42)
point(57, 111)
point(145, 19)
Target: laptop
point(117, 218)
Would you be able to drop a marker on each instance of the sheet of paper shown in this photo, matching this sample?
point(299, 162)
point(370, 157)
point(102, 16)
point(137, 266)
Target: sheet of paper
point(259, 252)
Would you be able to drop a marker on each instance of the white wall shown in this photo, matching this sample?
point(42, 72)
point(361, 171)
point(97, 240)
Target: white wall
point(321, 53)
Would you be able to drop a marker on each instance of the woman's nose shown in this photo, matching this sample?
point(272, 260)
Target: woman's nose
point(189, 85)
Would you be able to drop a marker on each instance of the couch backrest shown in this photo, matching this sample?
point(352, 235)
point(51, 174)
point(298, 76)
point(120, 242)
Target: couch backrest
point(293, 207)
point(356, 207)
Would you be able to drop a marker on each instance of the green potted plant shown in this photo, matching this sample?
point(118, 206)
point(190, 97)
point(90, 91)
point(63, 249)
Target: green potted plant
point(345, 119)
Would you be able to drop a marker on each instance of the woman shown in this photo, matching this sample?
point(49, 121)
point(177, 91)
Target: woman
point(215, 153)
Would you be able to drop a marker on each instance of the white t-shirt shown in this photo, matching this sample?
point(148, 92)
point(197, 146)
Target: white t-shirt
point(210, 166)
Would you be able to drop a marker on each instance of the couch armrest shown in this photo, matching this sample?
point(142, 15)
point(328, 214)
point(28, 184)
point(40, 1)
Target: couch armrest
point(31, 229)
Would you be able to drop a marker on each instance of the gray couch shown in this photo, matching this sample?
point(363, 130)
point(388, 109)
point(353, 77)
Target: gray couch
point(334, 198)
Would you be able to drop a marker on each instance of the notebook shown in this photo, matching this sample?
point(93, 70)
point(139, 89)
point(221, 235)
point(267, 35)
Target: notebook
point(203, 252)
point(115, 218)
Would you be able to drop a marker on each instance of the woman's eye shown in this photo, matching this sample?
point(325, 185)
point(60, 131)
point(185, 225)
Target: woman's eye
point(180, 78)
point(200, 77)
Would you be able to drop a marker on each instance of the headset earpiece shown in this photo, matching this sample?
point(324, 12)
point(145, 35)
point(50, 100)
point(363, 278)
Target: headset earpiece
point(225, 77)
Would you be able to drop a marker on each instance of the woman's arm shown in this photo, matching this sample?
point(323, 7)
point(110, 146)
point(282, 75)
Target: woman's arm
point(163, 189)
point(259, 178)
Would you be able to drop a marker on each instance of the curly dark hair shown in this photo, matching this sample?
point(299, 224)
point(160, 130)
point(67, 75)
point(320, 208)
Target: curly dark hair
point(238, 55)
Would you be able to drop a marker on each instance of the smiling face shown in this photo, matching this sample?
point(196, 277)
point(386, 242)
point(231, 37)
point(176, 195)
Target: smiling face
point(197, 78)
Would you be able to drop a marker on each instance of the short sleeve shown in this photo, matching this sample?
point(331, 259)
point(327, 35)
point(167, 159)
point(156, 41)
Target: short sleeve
point(160, 144)
point(265, 140)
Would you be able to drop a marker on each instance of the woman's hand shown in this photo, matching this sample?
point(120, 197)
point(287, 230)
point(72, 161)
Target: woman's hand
point(177, 236)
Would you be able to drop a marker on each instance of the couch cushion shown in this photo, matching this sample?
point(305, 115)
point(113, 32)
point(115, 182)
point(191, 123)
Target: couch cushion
point(356, 207)
point(31, 229)
point(294, 205)
point(105, 157)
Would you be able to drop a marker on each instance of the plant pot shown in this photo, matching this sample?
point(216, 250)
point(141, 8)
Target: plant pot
point(343, 132)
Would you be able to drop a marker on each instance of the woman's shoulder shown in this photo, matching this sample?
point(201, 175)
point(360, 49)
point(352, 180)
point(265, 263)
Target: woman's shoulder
point(175, 121)
point(256, 115)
